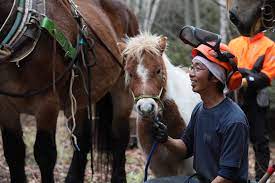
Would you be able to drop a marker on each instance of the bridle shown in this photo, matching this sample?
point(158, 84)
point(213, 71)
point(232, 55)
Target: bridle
point(267, 15)
point(157, 98)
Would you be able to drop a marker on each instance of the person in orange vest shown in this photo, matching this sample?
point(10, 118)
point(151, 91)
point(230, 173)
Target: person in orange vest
point(256, 62)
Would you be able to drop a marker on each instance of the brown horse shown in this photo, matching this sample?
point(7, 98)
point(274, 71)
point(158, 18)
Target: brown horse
point(43, 84)
point(252, 16)
point(159, 89)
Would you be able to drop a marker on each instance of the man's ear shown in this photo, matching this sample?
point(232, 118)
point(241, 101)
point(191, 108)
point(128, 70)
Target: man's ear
point(212, 78)
point(162, 44)
point(121, 47)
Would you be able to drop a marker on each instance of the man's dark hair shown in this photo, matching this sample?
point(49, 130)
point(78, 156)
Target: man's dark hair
point(220, 85)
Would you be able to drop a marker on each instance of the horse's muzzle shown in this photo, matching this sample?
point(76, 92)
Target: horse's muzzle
point(146, 107)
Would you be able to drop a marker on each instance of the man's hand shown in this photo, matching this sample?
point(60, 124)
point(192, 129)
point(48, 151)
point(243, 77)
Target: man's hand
point(159, 132)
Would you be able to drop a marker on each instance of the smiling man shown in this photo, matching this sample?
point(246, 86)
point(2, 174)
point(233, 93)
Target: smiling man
point(217, 134)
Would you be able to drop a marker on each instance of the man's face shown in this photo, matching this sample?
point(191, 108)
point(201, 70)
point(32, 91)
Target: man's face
point(199, 77)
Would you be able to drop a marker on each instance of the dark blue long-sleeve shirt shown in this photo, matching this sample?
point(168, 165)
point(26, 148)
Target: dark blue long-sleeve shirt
point(218, 138)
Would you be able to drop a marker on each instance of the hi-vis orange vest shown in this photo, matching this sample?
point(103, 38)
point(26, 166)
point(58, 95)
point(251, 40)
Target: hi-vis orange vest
point(248, 50)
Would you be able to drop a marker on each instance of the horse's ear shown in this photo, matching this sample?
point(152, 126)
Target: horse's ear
point(162, 43)
point(121, 46)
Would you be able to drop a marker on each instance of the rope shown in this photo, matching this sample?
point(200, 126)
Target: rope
point(73, 112)
point(149, 157)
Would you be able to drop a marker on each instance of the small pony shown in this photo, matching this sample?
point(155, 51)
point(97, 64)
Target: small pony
point(162, 90)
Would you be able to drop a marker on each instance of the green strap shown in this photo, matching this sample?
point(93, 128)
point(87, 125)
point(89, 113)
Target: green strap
point(52, 29)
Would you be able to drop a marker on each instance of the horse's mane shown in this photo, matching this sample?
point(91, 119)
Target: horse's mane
point(145, 41)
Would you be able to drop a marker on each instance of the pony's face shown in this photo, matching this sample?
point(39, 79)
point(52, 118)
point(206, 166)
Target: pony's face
point(145, 76)
point(146, 80)
point(246, 15)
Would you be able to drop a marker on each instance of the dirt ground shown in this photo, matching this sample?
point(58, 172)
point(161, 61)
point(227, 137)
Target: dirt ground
point(134, 167)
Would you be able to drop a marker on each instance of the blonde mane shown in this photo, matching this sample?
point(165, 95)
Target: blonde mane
point(144, 42)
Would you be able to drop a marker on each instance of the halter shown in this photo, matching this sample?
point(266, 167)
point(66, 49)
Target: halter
point(157, 98)
point(267, 15)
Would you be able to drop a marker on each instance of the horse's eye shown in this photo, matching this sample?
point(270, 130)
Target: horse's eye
point(130, 74)
point(158, 71)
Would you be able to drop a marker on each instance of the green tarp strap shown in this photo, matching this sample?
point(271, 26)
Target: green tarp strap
point(52, 29)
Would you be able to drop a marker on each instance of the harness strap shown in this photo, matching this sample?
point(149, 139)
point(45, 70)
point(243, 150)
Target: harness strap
point(257, 67)
point(66, 45)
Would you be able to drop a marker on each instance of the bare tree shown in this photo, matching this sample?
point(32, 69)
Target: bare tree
point(197, 13)
point(146, 11)
point(187, 13)
point(223, 20)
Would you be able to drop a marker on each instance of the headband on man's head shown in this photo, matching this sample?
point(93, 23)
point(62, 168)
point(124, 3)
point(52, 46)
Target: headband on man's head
point(218, 71)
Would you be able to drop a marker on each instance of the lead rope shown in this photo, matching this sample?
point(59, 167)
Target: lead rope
point(73, 112)
point(149, 157)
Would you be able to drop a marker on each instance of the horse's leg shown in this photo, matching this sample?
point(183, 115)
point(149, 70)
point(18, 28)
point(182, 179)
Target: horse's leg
point(79, 161)
point(45, 148)
point(14, 149)
point(121, 133)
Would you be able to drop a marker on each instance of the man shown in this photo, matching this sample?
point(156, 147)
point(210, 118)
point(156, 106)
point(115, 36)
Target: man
point(256, 60)
point(217, 134)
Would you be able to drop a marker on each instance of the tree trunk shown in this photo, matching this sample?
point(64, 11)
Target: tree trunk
point(154, 10)
point(187, 14)
point(223, 21)
point(197, 13)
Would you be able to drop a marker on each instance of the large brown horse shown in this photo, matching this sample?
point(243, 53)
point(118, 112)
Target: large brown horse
point(252, 16)
point(43, 84)
point(160, 90)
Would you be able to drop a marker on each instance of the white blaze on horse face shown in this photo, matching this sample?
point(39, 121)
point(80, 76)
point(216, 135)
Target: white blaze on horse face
point(142, 73)
point(147, 107)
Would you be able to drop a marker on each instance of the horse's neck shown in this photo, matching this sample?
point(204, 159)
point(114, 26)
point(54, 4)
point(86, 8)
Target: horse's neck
point(179, 90)
point(172, 118)
point(144, 130)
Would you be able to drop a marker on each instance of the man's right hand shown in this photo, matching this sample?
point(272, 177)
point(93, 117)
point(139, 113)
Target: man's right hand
point(159, 132)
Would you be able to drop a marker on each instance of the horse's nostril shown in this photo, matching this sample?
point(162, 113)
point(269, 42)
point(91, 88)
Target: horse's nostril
point(233, 17)
point(152, 107)
point(139, 107)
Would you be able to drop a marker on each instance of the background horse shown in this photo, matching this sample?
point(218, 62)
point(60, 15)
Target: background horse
point(159, 89)
point(107, 22)
point(252, 16)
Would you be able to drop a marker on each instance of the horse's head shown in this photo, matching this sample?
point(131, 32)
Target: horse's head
point(145, 72)
point(251, 16)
